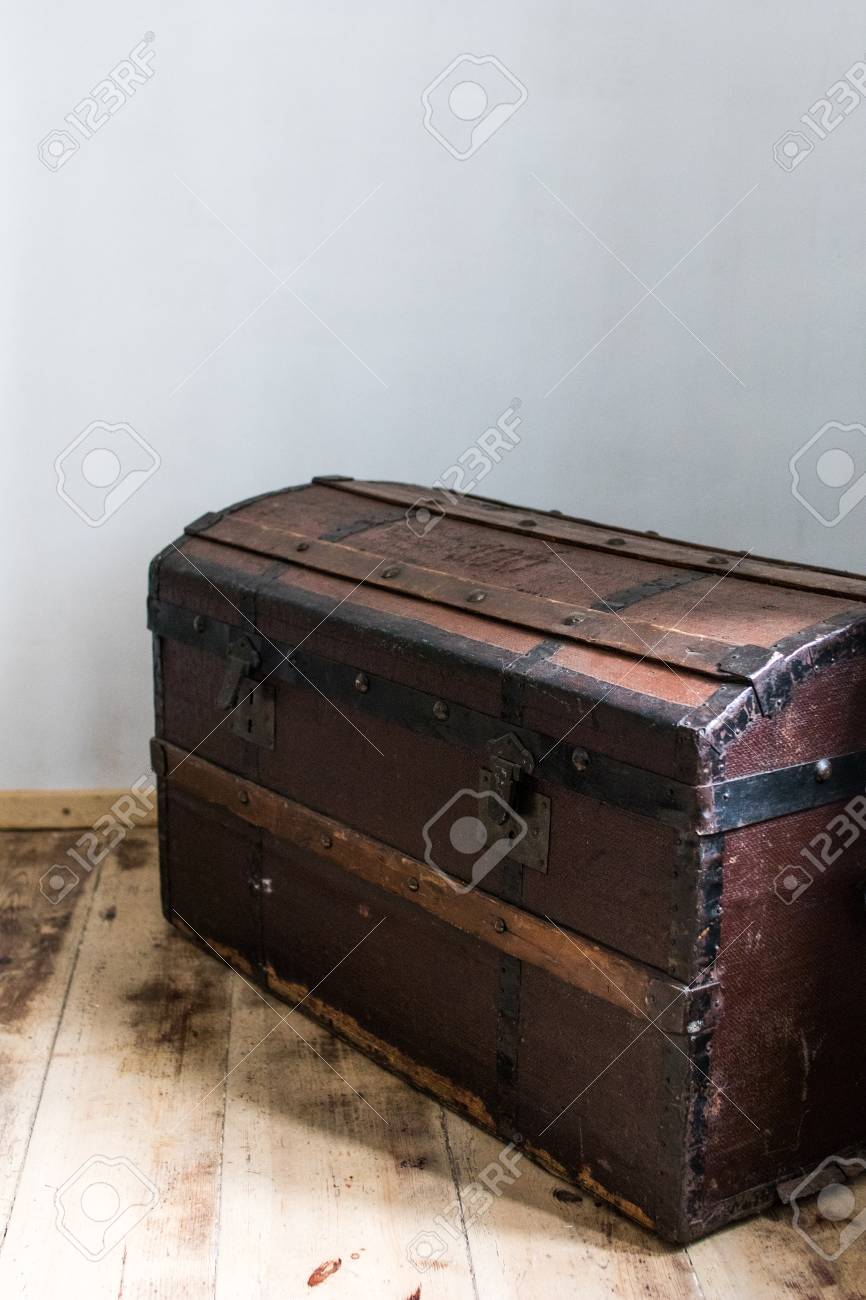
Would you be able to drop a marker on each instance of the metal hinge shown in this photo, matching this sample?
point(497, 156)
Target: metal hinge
point(515, 809)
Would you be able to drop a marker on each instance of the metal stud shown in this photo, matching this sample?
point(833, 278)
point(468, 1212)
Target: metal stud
point(362, 683)
point(528, 523)
point(243, 797)
point(823, 769)
point(391, 572)
point(412, 883)
point(616, 541)
point(302, 546)
point(440, 710)
point(475, 597)
point(579, 759)
point(571, 620)
point(499, 925)
point(199, 623)
point(326, 841)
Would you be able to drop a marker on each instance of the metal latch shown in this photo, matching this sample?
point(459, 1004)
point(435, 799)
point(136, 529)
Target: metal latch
point(508, 761)
point(516, 810)
point(242, 658)
point(251, 703)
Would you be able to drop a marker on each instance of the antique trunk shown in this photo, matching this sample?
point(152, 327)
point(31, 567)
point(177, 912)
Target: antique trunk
point(562, 823)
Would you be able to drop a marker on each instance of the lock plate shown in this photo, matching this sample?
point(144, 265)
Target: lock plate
point(253, 717)
point(515, 811)
point(532, 850)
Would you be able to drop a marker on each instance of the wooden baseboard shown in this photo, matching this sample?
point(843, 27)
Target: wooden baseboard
point(31, 810)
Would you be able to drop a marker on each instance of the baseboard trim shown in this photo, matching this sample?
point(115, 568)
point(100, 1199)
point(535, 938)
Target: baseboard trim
point(43, 810)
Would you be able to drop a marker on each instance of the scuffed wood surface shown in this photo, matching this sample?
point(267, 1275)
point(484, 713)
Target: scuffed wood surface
point(283, 1160)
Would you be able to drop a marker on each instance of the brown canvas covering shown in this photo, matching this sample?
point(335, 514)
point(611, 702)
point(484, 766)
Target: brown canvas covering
point(655, 980)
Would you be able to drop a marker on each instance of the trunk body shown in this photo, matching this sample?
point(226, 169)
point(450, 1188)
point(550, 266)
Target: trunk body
point(564, 824)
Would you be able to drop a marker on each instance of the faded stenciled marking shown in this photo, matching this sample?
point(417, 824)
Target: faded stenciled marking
point(324, 1271)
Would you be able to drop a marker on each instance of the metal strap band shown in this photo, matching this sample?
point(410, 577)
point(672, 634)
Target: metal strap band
point(632, 986)
point(567, 622)
point(705, 809)
point(597, 537)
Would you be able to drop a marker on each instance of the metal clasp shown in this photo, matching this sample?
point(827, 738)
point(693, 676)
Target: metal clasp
point(508, 761)
point(242, 658)
point(510, 764)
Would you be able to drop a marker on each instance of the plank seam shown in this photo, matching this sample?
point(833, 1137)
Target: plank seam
point(50, 1056)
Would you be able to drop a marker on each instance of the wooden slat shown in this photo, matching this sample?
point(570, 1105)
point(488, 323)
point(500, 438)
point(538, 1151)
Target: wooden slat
point(316, 1184)
point(141, 1045)
point(39, 942)
point(565, 621)
point(597, 537)
point(624, 982)
point(55, 809)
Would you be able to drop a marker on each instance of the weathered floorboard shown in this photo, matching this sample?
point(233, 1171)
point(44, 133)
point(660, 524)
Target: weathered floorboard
point(142, 1040)
point(39, 942)
point(123, 1040)
point(319, 1181)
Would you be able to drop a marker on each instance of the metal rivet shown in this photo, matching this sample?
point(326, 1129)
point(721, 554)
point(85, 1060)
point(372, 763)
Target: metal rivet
point(616, 541)
point(243, 797)
point(579, 759)
point(528, 523)
point(199, 623)
point(571, 620)
point(499, 925)
point(391, 572)
point(412, 884)
point(326, 841)
point(823, 769)
point(302, 546)
point(362, 683)
point(440, 710)
point(475, 597)
point(717, 559)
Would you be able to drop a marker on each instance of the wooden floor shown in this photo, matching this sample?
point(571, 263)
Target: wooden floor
point(165, 1133)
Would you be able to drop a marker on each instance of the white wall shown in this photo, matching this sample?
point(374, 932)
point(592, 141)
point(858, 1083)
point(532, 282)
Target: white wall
point(461, 284)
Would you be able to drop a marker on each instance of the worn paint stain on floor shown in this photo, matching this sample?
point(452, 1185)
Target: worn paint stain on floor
point(31, 927)
point(168, 1014)
point(135, 851)
point(324, 1271)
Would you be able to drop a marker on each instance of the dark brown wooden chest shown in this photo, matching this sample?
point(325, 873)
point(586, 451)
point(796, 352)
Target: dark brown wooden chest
point(564, 824)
